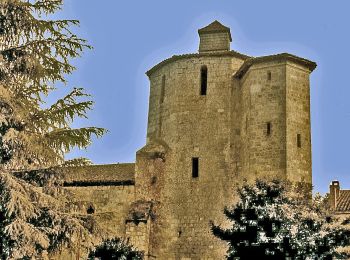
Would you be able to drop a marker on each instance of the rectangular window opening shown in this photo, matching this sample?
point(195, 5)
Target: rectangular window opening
point(268, 128)
point(195, 167)
point(269, 75)
point(299, 140)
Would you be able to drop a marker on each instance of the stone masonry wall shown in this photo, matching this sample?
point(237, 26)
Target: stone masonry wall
point(110, 203)
point(298, 122)
point(263, 102)
point(104, 192)
point(226, 129)
point(214, 42)
point(139, 234)
point(193, 126)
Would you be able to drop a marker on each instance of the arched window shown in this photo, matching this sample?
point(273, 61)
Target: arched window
point(204, 79)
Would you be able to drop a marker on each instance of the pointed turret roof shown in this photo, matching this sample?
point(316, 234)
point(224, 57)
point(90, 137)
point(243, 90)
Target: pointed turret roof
point(214, 27)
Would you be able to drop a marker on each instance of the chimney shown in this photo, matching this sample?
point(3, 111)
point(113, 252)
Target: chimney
point(214, 38)
point(334, 190)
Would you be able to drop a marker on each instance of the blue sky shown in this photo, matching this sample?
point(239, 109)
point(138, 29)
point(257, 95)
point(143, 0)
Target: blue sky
point(129, 37)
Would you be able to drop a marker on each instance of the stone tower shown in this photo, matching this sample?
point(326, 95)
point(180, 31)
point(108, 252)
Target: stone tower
point(218, 117)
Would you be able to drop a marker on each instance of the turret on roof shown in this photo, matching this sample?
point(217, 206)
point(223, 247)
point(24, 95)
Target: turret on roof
point(214, 38)
point(215, 27)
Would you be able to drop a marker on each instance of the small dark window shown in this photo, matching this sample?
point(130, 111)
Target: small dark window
point(90, 210)
point(204, 79)
point(153, 180)
point(246, 124)
point(298, 140)
point(268, 128)
point(269, 75)
point(162, 90)
point(195, 166)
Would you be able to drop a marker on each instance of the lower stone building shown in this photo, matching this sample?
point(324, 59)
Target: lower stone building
point(339, 200)
point(216, 118)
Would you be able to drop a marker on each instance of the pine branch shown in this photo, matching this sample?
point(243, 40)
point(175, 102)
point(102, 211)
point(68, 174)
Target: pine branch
point(63, 111)
point(35, 54)
point(65, 139)
point(77, 162)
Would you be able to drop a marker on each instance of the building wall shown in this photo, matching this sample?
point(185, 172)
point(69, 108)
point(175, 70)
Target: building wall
point(298, 122)
point(214, 42)
point(104, 192)
point(263, 102)
point(111, 205)
point(227, 130)
point(277, 93)
point(193, 126)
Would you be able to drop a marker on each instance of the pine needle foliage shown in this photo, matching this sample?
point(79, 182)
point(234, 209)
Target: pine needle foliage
point(273, 220)
point(35, 55)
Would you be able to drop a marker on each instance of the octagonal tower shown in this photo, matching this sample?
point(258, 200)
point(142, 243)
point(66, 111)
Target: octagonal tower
point(218, 117)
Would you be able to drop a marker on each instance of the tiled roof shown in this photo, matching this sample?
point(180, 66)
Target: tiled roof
point(92, 175)
point(215, 27)
point(343, 202)
point(281, 56)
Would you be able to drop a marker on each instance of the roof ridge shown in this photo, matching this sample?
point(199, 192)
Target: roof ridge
point(97, 165)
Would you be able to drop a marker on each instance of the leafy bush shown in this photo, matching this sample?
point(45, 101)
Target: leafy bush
point(115, 249)
point(279, 221)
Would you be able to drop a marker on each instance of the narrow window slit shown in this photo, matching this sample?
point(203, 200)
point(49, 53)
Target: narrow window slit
point(269, 75)
point(204, 79)
point(299, 140)
point(268, 128)
point(195, 167)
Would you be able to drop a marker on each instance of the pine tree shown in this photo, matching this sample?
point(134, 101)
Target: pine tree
point(115, 249)
point(275, 221)
point(35, 54)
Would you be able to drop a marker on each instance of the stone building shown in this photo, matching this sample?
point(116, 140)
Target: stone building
point(339, 200)
point(216, 118)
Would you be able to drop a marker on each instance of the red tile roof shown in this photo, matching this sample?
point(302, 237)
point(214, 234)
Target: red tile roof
point(343, 202)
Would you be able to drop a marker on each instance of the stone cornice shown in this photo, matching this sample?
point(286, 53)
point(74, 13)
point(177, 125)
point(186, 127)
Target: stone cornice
point(197, 55)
